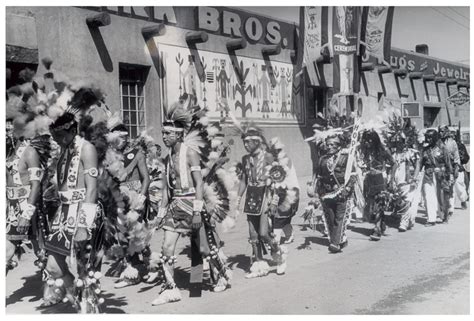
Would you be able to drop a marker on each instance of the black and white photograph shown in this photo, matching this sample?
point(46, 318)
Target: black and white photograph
point(267, 159)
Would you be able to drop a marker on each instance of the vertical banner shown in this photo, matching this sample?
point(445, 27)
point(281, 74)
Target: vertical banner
point(346, 72)
point(377, 31)
point(313, 24)
point(345, 46)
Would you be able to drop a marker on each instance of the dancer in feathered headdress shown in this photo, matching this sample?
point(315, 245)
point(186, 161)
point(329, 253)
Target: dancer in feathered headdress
point(28, 149)
point(438, 179)
point(196, 196)
point(329, 187)
point(404, 188)
point(375, 162)
point(74, 226)
point(263, 178)
point(127, 235)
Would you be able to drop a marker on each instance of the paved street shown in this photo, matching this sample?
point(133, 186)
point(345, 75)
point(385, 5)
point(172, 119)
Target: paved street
point(423, 271)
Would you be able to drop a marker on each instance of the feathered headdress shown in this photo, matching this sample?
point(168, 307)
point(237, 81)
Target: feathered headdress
point(206, 139)
point(397, 127)
point(177, 118)
point(65, 101)
point(247, 130)
point(26, 111)
point(336, 126)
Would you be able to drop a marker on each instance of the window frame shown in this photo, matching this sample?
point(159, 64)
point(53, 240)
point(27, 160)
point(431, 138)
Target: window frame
point(136, 83)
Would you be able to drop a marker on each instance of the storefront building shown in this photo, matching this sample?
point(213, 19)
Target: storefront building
point(229, 60)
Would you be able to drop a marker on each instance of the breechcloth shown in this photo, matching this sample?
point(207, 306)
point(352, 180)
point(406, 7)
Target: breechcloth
point(16, 203)
point(180, 214)
point(64, 224)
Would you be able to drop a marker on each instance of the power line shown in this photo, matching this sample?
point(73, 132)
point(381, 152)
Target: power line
point(450, 18)
point(452, 9)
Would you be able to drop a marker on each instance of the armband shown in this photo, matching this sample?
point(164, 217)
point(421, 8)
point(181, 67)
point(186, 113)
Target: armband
point(35, 173)
point(87, 215)
point(28, 212)
point(198, 205)
point(195, 168)
point(93, 172)
point(275, 199)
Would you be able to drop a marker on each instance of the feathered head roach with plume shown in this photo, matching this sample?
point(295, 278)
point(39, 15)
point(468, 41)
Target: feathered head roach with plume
point(248, 130)
point(177, 118)
point(400, 133)
point(65, 101)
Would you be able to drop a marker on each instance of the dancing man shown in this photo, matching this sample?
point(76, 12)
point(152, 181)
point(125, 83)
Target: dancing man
point(374, 160)
point(130, 169)
point(438, 178)
point(401, 137)
point(184, 209)
point(28, 147)
point(73, 230)
point(261, 201)
point(333, 192)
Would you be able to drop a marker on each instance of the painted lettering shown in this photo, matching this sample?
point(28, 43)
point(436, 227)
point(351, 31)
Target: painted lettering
point(273, 32)
point(394, 61)
point(443, 71)
point(165, 13)
point(253, 28)
point(208, 18)
point(411, 65)
point(136, 11)
point(456, 74)
point(436, 69)
point(402, 62)
point(231, 24)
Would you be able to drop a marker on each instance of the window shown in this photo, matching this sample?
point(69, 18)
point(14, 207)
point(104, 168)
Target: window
point(410, 110)
point(132, 97)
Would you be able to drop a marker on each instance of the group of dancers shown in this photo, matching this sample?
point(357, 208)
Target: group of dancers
point(83, 192)
point(367, 171)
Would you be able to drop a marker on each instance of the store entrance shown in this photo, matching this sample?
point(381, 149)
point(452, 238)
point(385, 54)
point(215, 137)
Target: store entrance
point(430, 115)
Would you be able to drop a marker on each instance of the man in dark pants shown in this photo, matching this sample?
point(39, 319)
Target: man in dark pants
point(374, 160)
point(333, 192)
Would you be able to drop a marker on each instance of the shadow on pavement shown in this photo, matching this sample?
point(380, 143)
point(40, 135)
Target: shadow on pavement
point(421, 220)
point(361, 230)
point(31, 282)
point(312, 239)
point(112, 304)
point(239, 261)
point(62, 307)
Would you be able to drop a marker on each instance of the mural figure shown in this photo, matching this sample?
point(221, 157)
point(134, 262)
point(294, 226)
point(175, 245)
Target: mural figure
point(223, 90)
point(265, 85)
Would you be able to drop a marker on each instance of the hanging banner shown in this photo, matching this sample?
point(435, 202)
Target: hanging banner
point(265, 94)
point(345, 46)
point(314, 21)
point(346, 24)
point(377, 31)
point(346, 79)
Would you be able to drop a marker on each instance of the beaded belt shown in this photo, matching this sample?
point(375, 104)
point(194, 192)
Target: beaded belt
point(72, 196)
point(18, 192)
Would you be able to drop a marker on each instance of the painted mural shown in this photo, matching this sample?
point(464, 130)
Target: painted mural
point(250, 88)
